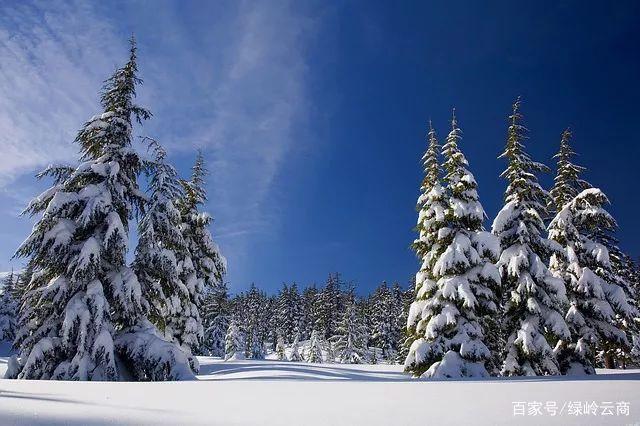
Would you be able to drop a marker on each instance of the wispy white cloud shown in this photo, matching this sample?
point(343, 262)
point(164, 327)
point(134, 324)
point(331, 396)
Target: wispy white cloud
point(257, 103)
point(242, 106)
point(53, 55)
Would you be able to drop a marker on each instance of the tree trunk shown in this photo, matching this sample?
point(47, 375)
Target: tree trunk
point(608, 361)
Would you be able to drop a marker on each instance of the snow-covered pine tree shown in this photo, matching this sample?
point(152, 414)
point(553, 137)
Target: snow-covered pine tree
point(8, 309)
point(294, 313)
point(307, 314)
point(295, 350)
point(282, 308)
point(84, 304)
point(204, 270)
point(269, 312)
point(314, 353)
point(567, 182)
point(327, 308)
point(459, 287)
point(350, 344)
point(610, 352)
point(431, 207)
point(216, 317)
point(256, 322)
point(287, 315)
point(594, 295)
point(255, 345)
point(398, 315)
point(160, 252)
point(629, 272)
point(385, 330)
point(234, 347)
point(533, 318)
point(431, 204)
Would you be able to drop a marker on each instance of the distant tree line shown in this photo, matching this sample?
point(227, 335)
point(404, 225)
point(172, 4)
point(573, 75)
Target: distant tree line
point(347, 327)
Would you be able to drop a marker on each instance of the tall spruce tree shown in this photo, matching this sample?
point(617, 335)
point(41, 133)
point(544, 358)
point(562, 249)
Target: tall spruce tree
point(619, 273)
point(460, 287)
point(204, 270)
point(595, 296)
point(350, 342)
point(328, 306)
point(385, 312)
point(533, 313)
point(628, 272)
point(160, 254)
point(216, 316)
point(431, 208)
point(256, 322)
point(287, 316)
point(84, 304)
point(308, 315)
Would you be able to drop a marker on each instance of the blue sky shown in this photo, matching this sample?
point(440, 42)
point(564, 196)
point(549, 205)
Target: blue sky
point(312, 115)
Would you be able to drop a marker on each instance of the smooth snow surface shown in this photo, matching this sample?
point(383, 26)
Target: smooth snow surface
point(283, 393)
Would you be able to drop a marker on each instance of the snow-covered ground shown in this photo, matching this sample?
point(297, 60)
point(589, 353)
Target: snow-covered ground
point(286, 393)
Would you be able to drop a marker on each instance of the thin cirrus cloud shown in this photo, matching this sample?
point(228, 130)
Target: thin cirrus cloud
point(52, 58)
point(236, 91)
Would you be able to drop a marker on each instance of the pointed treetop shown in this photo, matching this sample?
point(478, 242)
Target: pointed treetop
point(450, 148)
point(132, 48)
point(516, 105)
point(112, 128)
point(120, 89)
point(461, 183)
point(430, 161)
point(567, 182)
point(198, 172)
point(520, 172)
point(195, 187)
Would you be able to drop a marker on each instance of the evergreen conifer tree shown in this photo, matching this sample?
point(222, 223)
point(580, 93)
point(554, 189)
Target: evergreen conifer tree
point(308, 315)
point(460, 285)
point(256, 322)
point(84, 304)
point(595, 296)
point(534, 305)
point(385, 311)
point(350, 342)
point(288, 315)
point(234, 348)
point(216, 317)
point(204, 270)
point(8, 309)
point(431, 207)
point(295, 350)
point(160, 252)
point(314, 353)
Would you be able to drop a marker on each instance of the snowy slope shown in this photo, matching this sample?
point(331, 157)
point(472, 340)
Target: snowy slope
point(283, 393)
